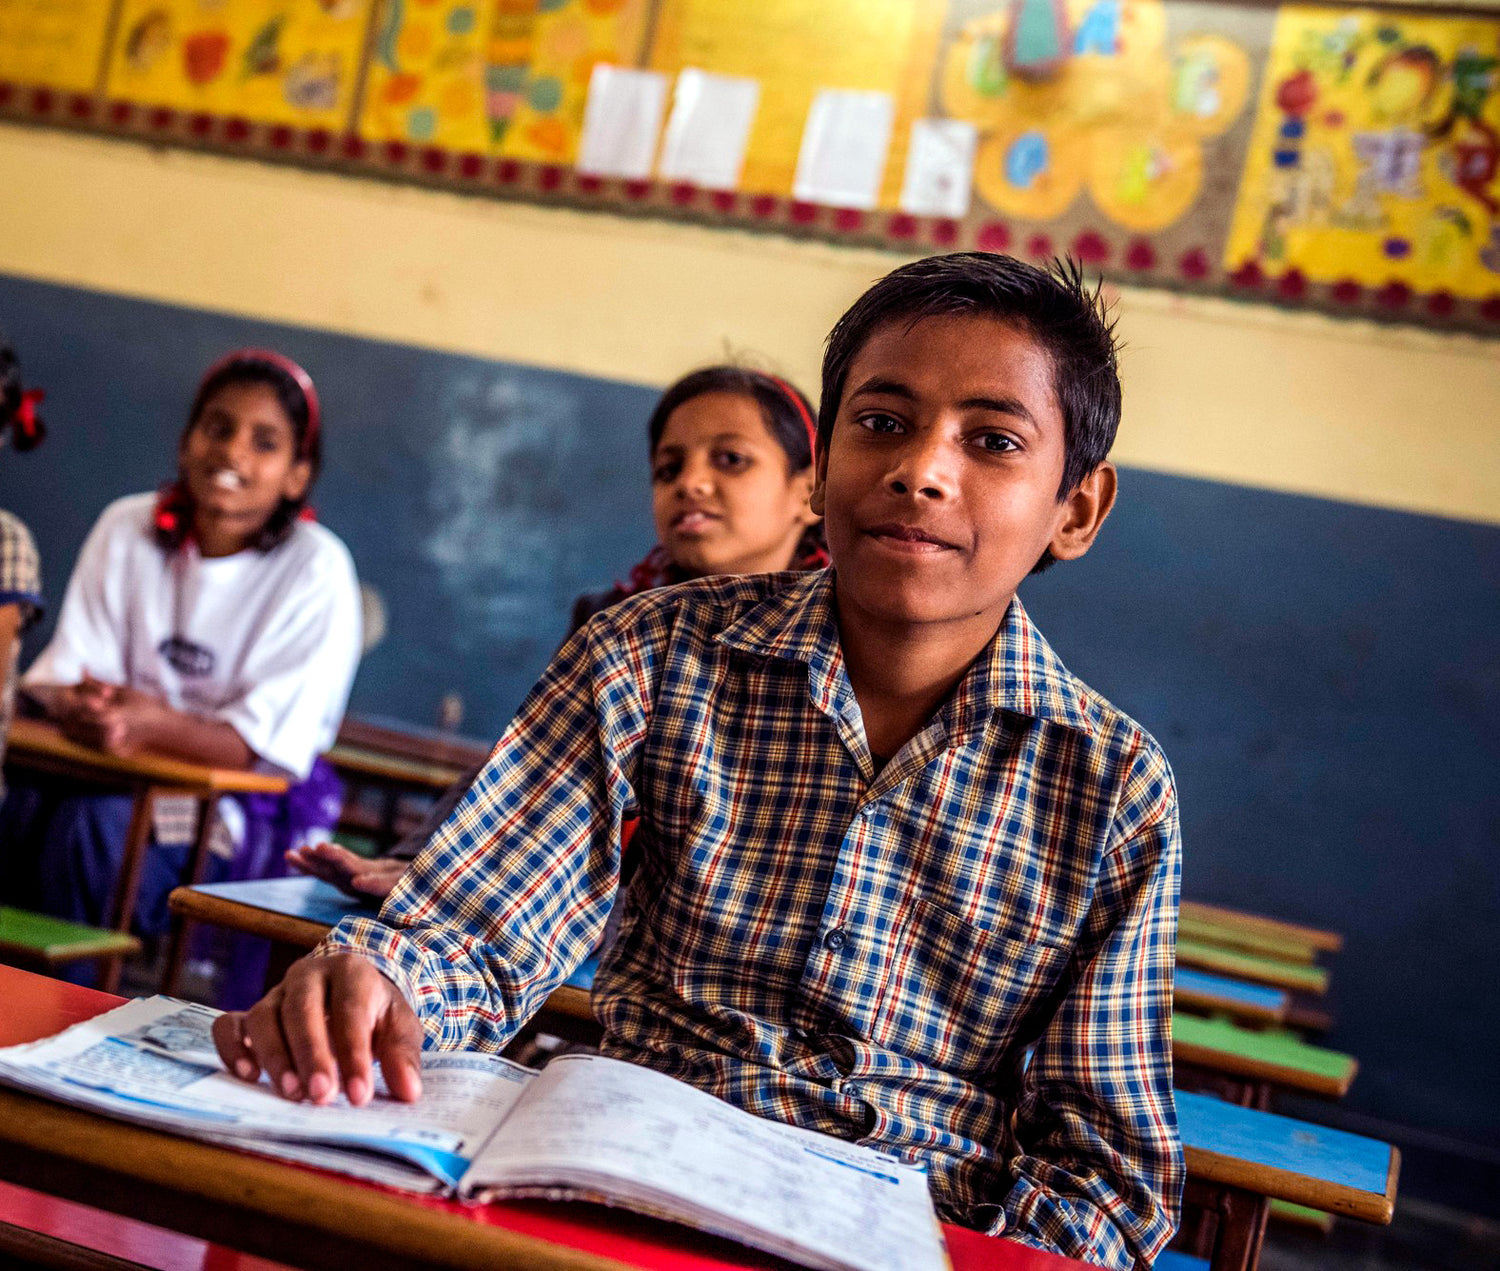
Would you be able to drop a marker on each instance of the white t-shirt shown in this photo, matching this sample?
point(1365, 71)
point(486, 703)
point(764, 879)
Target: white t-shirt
point(268, 642)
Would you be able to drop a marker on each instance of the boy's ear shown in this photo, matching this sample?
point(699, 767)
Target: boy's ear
point(1083, 513)
point(818, 499)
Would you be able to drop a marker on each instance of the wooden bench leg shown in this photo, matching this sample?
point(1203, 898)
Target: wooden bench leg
point(197, 859)
point(137, 838)
point(1228, 1225)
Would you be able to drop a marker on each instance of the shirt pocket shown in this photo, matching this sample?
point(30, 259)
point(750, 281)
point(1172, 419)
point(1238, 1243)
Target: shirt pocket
point(957, 994)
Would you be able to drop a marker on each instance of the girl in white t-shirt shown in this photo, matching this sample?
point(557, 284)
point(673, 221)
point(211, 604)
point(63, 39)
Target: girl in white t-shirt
point(213, 622)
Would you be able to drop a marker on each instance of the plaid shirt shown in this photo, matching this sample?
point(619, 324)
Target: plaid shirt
point(868, 954)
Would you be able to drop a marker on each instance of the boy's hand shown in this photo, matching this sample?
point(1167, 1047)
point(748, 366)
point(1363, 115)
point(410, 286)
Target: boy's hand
point(358, 876)
point(116, 719)
point(322, 1027)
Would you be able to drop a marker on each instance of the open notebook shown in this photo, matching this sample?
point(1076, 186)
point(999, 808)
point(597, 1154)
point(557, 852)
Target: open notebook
point(583, 1128)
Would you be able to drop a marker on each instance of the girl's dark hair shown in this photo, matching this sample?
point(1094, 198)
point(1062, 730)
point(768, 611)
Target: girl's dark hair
point(174, 509)
point(1054, 306)
point(789, 418)
point(18, 416)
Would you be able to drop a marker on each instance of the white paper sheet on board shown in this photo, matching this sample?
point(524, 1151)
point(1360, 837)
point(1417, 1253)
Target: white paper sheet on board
point(844, 148)
point(708, 129)
point(621, 122)
point(939, 167)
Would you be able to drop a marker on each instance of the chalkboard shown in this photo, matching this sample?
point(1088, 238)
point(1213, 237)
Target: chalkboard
point(477, 498)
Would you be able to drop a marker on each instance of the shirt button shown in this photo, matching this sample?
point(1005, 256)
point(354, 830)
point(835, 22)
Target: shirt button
point(835, 940)
point(867, 811)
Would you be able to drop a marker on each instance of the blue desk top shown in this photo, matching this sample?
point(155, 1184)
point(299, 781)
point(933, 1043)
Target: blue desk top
point(1239, 992)
point(1277, 1142)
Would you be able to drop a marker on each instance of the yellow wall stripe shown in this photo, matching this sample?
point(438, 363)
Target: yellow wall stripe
point(1392, 417)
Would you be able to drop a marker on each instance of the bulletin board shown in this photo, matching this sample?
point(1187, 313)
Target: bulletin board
point(1336, 158)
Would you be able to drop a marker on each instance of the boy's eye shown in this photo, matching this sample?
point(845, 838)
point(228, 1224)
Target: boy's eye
point(880, 423)
point(661, 473)
point(266, 441)
point(996, 443)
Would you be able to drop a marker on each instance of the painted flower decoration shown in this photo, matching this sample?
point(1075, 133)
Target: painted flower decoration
point(1069, 94)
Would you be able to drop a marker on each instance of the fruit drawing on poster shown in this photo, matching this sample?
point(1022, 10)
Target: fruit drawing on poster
point(273, 61)
point(507, 77)
point(57, 43)
point(1074, 95)
point(1376, 152)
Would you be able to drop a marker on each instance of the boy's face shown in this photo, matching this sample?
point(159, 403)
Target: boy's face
point(939, 482)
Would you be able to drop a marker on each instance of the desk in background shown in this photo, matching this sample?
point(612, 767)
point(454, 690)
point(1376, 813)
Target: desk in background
point(276, 1210)
point(38, 746)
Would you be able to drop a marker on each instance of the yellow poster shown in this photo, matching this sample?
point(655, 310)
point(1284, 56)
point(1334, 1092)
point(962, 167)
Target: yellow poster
point(1375, 153)
point(506, 77)
point(1124, 112)
point(59, 43)
point(274, 61)
point(796, 48)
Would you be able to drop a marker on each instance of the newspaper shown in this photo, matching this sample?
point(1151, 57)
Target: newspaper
point(585, 1127)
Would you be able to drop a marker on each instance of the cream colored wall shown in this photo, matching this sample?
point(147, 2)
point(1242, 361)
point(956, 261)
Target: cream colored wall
point(1345, 410)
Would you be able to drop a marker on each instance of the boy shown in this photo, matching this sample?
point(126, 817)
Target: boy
point(887, 843)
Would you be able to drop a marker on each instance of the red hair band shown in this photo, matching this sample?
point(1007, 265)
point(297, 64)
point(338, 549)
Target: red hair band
point(25, 417)
point(282, 363)
point(793, 396)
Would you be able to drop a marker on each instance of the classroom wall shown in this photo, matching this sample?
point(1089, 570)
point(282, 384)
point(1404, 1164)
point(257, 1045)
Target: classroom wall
point(1298, 593)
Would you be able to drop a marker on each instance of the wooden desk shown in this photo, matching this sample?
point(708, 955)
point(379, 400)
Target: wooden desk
point(294, 914)
point(41, 747)
point(1254, 924)
point(1245, 1065)
point(276, 1210)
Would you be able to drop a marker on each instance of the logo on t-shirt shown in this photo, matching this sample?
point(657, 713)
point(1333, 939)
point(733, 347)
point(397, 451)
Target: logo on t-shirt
point(185, 657)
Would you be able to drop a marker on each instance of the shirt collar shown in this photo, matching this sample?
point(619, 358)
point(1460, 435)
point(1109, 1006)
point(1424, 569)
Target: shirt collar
point(1018, 671)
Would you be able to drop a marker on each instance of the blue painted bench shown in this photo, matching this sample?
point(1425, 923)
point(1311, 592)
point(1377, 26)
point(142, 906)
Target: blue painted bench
point(1240, 1159)
point(1247, 1003)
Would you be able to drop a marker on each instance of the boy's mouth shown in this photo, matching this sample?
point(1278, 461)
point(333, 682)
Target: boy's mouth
point(909, 538)
point(227, 479)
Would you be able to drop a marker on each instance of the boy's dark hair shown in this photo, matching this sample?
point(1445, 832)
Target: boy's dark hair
point(18, 415)
point(784, 407)
point(174, 520)
point(1054, 306)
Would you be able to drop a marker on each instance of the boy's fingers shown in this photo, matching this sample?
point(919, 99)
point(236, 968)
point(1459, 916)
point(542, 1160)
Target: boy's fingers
point(262, 1027)
point(398, 1046)
point(304, 1024)
point(353, 1009)
point(234, 1046)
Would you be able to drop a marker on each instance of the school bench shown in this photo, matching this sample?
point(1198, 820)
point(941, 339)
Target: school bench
point(1240, 1000)
point(1257, 933)
point(1255, 967)
point(39, 746)
point(43, 943)
point(1244, 1065)
point(391, 764)
point(1239, 1160)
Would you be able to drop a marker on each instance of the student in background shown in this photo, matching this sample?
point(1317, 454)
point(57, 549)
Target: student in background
point(731, 471)
point(901, 878)
point(20, 571)
point(214, 622)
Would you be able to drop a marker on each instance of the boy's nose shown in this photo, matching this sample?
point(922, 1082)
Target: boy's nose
point(696, 478)
point(923, 467)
